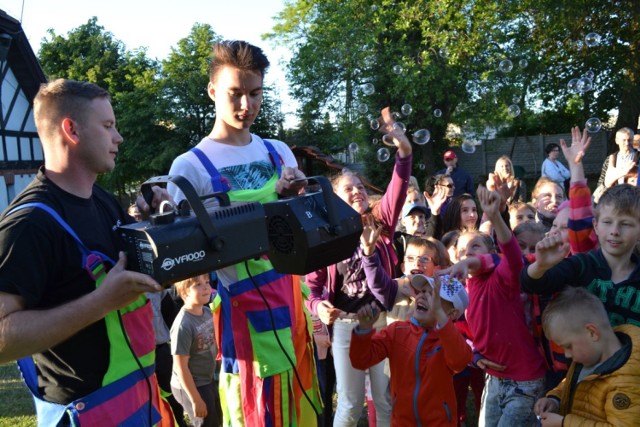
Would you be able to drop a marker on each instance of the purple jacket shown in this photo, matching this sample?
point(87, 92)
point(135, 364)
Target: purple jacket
point(322, 283)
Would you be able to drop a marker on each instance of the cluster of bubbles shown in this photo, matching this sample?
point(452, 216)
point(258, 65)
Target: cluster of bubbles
point(581, 84)
point(506, 65)
point(419, 137)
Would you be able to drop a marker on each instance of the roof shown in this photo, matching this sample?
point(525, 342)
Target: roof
point(21, 58)
point(314, 154)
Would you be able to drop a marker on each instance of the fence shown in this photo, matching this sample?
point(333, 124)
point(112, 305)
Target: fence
point(527, 152)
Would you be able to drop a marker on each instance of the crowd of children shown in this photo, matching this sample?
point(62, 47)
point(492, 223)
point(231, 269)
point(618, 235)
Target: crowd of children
point(536, 306)
point(537, 314)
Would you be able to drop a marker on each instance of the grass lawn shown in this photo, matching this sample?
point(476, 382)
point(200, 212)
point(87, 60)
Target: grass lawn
point(16, 403)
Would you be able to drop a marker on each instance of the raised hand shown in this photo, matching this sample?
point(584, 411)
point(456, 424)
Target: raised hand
point(369, 236)
point(368, 315)
point(395, 134)
point(579, 145)
point(489, 202)
point(436, 200)
point(459, 270)
point(549, 252)
point(496, 183)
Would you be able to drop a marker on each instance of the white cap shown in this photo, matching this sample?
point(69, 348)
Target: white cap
point(451, 289)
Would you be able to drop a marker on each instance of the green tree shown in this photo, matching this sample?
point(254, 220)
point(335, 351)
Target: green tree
point(420, 53)
point(92, 54)
point(559, 47)
point(448, 55)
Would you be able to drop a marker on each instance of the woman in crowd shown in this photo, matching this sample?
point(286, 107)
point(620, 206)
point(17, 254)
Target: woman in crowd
point(552, 168)
point(339, 290)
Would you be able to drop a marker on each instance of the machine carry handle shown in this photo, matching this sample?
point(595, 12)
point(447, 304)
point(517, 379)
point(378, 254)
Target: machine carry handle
point(194, 201)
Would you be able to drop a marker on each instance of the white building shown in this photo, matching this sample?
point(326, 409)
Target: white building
point(20, 78)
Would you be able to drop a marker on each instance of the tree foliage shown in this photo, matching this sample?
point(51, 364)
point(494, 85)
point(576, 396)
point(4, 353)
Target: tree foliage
point(449, 53)
point(162, 108)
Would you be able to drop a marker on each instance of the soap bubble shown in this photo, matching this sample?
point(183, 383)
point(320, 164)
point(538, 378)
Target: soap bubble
point(375, 141)
point(383, 154)
point(505, 65)
point(592, 39)
point(398, 69)
point(572, 86)
point(401, 126)
point(375, 124)
point(396, 116)
point(353, 147)
point(421, 136)
point(368, 89)
point(387, 140)
point(468, 147)
point(515, 99)
point(589, 75)
point(593, 125)
point(421, 166)
point(513, 110)
point(363, 108)
point(406, 109)
point(523, 63)
point(444, 53)
point(584, 85)
point(437, 112)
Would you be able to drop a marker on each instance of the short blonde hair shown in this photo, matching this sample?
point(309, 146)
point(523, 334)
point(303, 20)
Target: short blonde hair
point(622, 198)
point(183, 286)
point(573, 308)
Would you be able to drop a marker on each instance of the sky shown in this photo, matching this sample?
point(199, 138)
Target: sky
point(159, 24)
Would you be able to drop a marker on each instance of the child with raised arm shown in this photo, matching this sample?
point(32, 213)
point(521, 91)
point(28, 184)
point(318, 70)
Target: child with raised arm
point(423, 353)
point(497, 322)
point(611, 272)
point(602, 386)
point(194, 350)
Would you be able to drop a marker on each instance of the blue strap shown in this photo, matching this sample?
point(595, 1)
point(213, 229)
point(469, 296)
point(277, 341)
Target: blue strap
point(220, 183)
point(49, 413)
point(90, 259)
point(275, 157)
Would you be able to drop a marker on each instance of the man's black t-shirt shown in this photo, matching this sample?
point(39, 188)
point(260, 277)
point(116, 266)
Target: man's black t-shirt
point(41, 262)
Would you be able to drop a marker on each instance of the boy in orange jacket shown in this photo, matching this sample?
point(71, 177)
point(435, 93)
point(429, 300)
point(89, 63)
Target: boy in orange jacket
point(423, 353)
